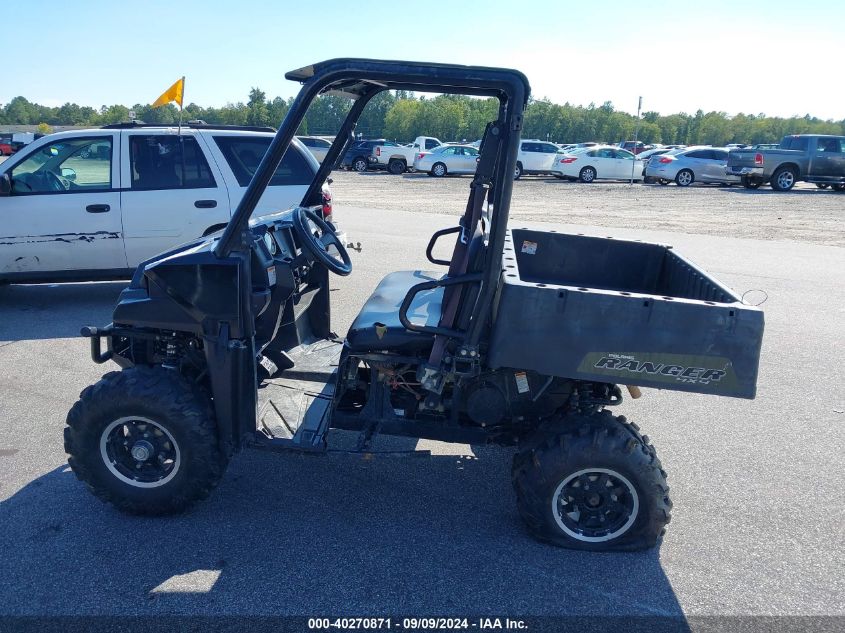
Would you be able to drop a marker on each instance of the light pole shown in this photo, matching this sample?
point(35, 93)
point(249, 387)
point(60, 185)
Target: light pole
point(636, 135)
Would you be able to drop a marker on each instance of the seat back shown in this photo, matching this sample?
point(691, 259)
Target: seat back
point(467, 256)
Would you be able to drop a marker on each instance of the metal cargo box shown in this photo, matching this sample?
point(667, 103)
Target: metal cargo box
point(625, 312)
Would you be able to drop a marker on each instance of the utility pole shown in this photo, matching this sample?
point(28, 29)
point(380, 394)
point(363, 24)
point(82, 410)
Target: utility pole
point(636, 136)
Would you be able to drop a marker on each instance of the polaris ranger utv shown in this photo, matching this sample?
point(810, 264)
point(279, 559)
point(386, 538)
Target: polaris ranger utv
point(522, 340)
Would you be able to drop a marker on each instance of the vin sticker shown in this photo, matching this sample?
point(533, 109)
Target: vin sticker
point(521, 382)
point(529, 248)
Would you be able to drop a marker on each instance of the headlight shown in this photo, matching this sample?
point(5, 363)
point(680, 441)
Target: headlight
point(270, 243)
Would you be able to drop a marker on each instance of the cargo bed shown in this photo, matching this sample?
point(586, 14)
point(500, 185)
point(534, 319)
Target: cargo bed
point(625, 312)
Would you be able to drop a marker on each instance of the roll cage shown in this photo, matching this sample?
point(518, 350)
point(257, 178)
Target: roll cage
point(361, 80)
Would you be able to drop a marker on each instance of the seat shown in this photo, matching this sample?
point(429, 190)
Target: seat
point(377, 326)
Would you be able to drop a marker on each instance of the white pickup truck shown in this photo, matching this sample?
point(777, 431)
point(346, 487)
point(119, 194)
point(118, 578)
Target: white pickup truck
point(398, 158)
point(92, 204)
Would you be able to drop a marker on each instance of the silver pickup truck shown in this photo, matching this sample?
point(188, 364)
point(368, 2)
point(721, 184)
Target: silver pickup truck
point(810, 157)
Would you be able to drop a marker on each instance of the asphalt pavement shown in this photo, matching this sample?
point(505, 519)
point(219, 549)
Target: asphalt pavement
point(758, 486)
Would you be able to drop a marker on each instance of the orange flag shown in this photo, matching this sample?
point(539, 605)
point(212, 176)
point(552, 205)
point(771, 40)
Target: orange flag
point(174, 93)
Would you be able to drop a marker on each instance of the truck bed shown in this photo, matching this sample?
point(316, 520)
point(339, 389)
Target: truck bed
point(621, 311)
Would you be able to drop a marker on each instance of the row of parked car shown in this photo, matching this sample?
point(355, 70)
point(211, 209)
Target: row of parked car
point(813, 158)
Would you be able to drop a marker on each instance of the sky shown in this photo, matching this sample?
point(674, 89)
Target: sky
point(777, 57)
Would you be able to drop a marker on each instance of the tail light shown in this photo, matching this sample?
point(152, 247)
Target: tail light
point(419, 156)
point(568, 160)
point(378, 151)
point(758, 159)
point(327, 204)
point(665, 160)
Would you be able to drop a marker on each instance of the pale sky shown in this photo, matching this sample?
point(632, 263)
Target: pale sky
point(777, 57)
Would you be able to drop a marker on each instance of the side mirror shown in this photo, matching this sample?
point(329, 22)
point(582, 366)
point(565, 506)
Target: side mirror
point(5, 185)
point(68, 174)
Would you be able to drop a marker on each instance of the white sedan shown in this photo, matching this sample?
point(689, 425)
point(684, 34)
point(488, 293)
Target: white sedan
point(448, 159)
point(601, 162)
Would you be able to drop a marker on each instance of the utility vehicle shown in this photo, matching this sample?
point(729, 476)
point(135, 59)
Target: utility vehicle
point(522, 339)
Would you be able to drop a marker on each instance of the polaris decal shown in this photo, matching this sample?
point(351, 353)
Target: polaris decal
point(640, 368)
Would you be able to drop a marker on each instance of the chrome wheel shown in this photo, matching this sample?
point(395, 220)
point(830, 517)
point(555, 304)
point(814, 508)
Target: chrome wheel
point(786, 179)
point(684, 178)
point(588, 174)
point(595, 505)
point(140, 452)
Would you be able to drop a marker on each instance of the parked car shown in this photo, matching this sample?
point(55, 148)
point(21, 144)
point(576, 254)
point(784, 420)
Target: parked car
point(814, 158)
point(535, 157)
point(635, 147)
point(398, 158)
point(647, 155)
point(448, 159)
point(694, 164)
point(6, 149)
point(360, 154)
point(93, 204)
point(593, 163)
point(316, 145)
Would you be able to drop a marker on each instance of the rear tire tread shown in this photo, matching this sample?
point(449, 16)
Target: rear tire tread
point(567, 440)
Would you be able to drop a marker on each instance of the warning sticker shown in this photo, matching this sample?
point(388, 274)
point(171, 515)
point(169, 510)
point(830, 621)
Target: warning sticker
point(529, 248)
point(521, 382)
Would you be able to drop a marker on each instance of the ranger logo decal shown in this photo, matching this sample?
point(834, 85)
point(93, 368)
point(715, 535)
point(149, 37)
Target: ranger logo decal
point(702, 370)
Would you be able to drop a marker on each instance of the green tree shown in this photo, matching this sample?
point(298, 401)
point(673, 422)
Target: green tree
point(257, 110)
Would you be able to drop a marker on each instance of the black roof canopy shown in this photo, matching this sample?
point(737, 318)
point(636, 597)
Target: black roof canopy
point(353, 78)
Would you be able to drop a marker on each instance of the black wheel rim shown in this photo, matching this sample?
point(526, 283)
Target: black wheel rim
point(140, 452)
point(595, 505)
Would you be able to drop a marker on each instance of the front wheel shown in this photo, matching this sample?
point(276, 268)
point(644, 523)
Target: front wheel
point(822, 185)
point(748, 183)
point(592, 482)
point(838, 187)
point(518, 171)
point(145, 440)
point(684, 178)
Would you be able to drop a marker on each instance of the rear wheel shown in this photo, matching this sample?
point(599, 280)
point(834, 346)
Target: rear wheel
point(518, 171)
point(396, 167)
point(145, 440)
point(588, 174)
point(784, 179)
point(360, 164)
point(838, 187)
point(822, 185)
point(438, 169)
point(592, 483)
point(684, 178)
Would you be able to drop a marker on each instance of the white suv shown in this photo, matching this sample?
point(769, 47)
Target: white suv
point(535, 157)
point(92, 204)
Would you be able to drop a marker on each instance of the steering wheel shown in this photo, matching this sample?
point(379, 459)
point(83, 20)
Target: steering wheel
point(318, 246)
point(54, 182)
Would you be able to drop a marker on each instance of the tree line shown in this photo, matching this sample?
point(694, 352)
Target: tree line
point(402, 116)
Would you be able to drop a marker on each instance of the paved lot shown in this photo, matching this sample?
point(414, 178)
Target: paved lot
point(759, 486)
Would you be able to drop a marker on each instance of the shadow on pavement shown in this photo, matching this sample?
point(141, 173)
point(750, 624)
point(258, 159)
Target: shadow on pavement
point(45, 311)
point(300, 535)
